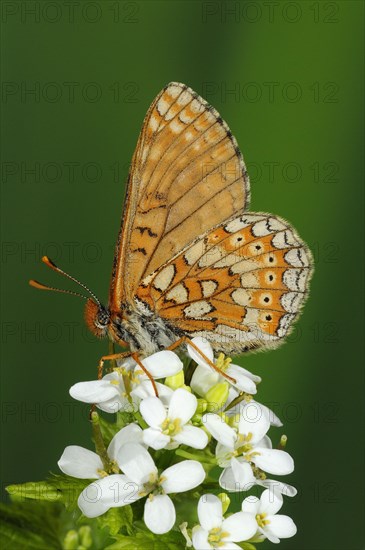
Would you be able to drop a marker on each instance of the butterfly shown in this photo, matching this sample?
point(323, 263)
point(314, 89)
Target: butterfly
point(190, 258)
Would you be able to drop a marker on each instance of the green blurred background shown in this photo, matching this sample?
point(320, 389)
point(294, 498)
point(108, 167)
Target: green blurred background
point(288, 78)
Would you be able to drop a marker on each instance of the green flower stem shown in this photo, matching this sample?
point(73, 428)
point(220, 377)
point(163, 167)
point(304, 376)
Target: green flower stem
point(99, 442)
point(191, 456)
point(111, 351)
point(141, 422)
point(236, 401)
point(127, 385)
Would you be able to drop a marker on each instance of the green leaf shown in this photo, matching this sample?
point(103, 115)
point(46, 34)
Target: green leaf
point(108, 429)
point(186, 508)
point(58, 488)
point(124, 418)
point(30, 526)
point(116, 519)
point(41, 525)
point(35, 490)
point(142, 540)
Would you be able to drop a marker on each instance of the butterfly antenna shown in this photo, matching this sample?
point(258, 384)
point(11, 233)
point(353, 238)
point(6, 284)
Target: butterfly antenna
point(41, 286)
point(53, 266)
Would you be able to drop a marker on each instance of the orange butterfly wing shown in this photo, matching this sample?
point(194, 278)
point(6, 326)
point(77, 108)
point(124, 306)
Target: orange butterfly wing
point(187, 175)
point(240, 285)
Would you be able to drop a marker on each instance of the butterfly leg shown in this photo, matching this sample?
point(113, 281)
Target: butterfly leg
point(135, 356)
point(111, 357)
point(122, 355)
point(186, 340)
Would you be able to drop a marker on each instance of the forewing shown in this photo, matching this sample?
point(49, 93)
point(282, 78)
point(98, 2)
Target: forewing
point(187, 175)
point(241, 285)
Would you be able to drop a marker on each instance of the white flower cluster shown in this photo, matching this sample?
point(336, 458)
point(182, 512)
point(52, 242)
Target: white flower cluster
point(202, 417)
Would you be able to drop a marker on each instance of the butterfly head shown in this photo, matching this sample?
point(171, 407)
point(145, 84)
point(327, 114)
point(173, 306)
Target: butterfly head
point(97, 318)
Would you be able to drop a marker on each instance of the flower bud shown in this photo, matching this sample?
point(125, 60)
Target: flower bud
point(71, 540)
point(226, 501)
point(85, 536)
point(176, 381)
point(217, 396)
point(202, 406)
point(283, 442)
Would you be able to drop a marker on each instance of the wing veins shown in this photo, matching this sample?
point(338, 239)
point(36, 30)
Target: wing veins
point(245, 259)
point(196, 210)
point(164, 234)
point(214, 296)
point(184, 150)
point(199, 136)
point(166, 127)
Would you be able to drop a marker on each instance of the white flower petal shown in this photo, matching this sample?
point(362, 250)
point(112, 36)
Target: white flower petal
point(126, 363)
point(237, 477)
point(200, 539)
point(79, 462)
point(145, 389)
point(162, 364)
point(203, 379)
point(220, 430)
point(129, 434)
point(205, 347)
point(267, 535)
point(254, 377)
point(223, 455)
point(109, 492)
point(183, 405)
point(153, 411)
point(182, 476)
point(159, 514)
point(273, 484)
point(227, 481)
point(273, 461)
point(254, 420)
point(243, 474)
point(243, 382)
point(281, 527)
point(228, 545)
point(270, 502)
point(115, 377)
point(210, 512)
point(153, 437)
point(274, 419)
point(95, 391)
point(164, 392)
point(240, 526)
point(136, 462)
point(114, 405)
point(192, 436)
point(172, 445)
point(265, 442)
point(251, 505)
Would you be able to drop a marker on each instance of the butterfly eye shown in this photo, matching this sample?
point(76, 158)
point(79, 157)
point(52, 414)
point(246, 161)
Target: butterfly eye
point(102, 318)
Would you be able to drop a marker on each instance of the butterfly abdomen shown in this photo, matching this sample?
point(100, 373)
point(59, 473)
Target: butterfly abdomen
point(144, 331)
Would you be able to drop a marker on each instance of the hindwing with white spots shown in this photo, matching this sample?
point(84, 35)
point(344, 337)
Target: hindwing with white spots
point(240, 285)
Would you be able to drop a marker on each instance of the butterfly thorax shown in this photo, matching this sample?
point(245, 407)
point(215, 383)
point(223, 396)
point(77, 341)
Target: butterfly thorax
point(134, 326)
point(141, 330)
